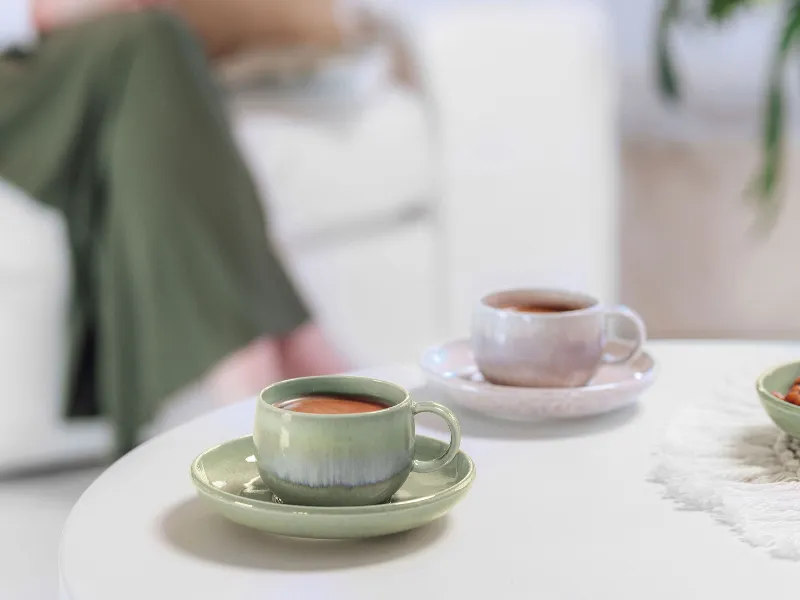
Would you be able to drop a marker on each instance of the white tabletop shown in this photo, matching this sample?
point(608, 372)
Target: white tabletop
point(557, 511)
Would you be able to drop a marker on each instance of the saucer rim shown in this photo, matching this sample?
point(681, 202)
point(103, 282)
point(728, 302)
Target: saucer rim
point(646, 379)
point(297, 509)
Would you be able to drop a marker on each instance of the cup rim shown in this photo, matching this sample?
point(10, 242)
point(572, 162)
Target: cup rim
point(277, 409)
point(594, 305)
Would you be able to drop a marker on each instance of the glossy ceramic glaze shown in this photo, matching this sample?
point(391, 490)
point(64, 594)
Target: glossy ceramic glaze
point(778, 379)
point(227, 479)
point(554, 349)
point(452, 373)
point(341, 460)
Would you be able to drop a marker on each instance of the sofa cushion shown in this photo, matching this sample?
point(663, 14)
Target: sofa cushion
point(324, 166)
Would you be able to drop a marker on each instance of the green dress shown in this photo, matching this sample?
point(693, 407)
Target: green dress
point(117, 124)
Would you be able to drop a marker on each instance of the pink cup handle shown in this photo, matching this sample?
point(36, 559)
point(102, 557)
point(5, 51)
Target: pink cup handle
point(624, 313)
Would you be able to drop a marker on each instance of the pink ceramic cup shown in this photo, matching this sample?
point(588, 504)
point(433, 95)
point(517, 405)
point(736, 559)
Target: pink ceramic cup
point(547, 338)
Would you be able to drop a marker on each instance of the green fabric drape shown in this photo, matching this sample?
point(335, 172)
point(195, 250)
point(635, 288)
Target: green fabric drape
point(117, 124)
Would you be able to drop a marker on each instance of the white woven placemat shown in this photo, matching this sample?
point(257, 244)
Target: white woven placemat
point(725, 456)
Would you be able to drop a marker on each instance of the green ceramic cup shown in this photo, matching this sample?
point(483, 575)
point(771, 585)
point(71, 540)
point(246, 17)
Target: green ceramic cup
point(342, 460)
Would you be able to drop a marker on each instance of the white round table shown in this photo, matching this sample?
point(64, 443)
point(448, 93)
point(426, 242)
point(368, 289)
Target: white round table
point(557, 511)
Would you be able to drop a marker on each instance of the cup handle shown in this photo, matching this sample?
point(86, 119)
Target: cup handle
point(626, 314)
point(426, 466)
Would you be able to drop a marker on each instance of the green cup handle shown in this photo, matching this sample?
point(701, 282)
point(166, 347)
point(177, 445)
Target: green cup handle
point(426, 466)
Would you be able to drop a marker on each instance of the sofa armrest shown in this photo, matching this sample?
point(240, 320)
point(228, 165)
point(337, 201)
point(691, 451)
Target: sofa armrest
point(523, 108)
point(35, 279)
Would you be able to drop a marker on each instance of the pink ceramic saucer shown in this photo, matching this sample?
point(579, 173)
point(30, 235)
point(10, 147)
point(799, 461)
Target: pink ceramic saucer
point(451, 370)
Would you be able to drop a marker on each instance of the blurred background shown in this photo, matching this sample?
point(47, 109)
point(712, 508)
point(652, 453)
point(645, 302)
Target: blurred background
point(418, 155)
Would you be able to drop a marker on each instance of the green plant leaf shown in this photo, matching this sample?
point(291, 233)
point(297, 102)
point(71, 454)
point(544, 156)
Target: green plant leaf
point(764, 186)
point(667, 79)
point(719, 10)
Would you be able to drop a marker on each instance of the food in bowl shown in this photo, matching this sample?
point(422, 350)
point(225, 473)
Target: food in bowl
point(782, 379)
point(793, 395)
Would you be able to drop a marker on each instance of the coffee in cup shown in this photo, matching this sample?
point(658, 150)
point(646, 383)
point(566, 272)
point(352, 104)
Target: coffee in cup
point(332, 404)
point(341, 440)
point(546, 338)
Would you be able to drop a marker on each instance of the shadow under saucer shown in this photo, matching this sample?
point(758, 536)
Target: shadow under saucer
point(193, 528)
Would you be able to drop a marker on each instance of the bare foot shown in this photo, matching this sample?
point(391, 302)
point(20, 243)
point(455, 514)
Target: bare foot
point(247, 372)
point(306, 351)
point(265, 361)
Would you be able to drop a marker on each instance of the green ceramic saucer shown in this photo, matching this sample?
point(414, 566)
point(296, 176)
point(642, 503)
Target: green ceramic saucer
point(227, 479)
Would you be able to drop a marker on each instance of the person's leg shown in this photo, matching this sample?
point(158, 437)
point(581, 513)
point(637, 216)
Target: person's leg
point(173, 268)
point(286, 350)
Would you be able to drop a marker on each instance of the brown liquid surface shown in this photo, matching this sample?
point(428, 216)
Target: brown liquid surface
point(333, 404)
point(541, 308)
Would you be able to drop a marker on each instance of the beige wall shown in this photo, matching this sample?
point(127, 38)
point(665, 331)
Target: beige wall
point(691, 263)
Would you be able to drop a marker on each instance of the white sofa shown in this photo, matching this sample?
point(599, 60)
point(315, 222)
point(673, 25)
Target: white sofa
point(497, 168)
